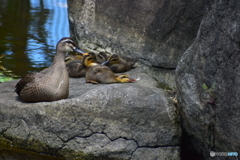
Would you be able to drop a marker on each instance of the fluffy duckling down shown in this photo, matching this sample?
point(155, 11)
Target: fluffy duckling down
point(75, 66)
point(97, 73)
point(120, 64)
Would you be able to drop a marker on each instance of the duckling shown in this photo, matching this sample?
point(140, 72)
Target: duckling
point(52, 83)
point(97, 73)
point(71, 57)
point(79, 56)
point(77, 69)
point(120, 64)
point(101, 57)
point(73, 62)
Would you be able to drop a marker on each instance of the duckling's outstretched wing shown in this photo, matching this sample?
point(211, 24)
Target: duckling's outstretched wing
point(27, 79)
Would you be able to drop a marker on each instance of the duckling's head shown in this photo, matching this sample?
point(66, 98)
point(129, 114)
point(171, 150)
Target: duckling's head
point(89, 59)
point(113, 59)
point(69, 58)
point(125, 78)
point(67, 44)
point(102, 55)
point(79, 56)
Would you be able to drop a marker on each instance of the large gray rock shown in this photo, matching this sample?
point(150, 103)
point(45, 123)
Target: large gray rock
point(158, 32)
point(104, 120)
point(208, 81)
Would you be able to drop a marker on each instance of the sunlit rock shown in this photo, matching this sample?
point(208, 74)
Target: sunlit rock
point(103, 120)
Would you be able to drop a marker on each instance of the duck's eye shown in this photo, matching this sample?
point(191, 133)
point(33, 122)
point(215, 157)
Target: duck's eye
point(70, 43)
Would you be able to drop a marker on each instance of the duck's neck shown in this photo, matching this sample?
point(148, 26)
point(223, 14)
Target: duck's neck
point(59, 58)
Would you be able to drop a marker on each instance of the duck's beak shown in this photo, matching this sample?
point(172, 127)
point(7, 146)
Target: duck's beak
point(132, 79)
point(78, 50)
point(105, 63)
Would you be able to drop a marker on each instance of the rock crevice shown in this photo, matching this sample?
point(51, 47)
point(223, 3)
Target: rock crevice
point(208, 79)
point(111, 121)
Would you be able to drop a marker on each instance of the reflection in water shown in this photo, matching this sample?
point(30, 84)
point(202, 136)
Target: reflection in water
point(29, 32)
point(7, 153)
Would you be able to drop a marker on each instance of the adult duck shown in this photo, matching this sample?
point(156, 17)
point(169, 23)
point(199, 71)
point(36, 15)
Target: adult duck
point(52, 83)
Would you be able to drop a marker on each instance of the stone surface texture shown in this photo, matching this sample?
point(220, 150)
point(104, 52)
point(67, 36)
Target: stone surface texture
point(208, 80)
point(138, 121)
point(109, 121)
point(158, 32)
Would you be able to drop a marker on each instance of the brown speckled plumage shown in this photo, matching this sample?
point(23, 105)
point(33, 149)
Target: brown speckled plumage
point(52, 83)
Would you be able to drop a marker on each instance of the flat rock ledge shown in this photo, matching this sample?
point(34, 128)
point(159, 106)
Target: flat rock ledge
point(135, 121)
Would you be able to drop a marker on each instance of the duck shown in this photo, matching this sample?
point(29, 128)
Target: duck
point(72, 57)
point(97, 73)
point(52, 83)
point(69, 58)
point(74, 65)
point(101, 57)
point(120, 64)
point(77, 68)
point(79, 56)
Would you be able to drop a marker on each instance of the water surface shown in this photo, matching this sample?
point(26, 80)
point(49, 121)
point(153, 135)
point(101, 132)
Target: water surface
point(29, 32)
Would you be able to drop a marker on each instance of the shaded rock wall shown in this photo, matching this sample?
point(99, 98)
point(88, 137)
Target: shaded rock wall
point(158, 32)
point(208, 79)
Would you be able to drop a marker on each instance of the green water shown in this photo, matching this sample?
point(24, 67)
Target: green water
point(29, 31)
point(8, 153)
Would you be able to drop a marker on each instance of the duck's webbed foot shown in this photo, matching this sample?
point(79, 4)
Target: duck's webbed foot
point(91, 81)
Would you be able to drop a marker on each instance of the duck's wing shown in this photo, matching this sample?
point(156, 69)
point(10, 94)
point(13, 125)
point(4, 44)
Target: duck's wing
point(100, 69)
point(31, 77)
